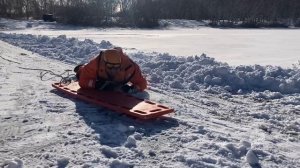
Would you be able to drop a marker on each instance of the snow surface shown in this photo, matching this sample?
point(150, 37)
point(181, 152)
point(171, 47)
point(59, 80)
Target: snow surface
point(244, 116)
point(184, 38)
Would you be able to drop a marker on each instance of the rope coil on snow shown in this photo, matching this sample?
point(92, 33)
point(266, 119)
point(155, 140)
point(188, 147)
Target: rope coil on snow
point(66, 77)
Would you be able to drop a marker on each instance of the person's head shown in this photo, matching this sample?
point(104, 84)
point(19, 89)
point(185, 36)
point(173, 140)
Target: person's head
point(112, 60)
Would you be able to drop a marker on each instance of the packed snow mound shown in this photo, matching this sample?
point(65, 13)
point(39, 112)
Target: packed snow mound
point(198, 72)
point(168, 72)
point(69, 50)
point(11, 24)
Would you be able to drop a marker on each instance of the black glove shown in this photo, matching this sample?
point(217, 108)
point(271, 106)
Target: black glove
point(129, 89)
point(105, 85)
point(76, 70)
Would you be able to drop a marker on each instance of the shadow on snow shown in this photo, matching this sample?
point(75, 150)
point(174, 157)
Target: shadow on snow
point(113, 127)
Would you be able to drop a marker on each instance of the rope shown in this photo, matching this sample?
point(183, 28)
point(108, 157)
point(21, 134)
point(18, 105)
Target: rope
point(8, 59)
point(65, 77)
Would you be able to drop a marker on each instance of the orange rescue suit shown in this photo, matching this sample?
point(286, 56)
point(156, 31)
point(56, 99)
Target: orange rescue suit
point(95, 70)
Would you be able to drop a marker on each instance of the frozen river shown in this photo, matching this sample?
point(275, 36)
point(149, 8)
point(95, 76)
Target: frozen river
point(234, 46)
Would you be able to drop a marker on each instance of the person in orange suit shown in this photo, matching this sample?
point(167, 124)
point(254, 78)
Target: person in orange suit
point(111, 70)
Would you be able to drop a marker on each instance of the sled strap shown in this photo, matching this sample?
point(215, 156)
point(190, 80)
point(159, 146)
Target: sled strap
point(99, 59)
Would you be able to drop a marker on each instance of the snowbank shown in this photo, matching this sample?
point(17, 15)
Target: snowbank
point(40, 128)
point(10, 24)
point(173, 73)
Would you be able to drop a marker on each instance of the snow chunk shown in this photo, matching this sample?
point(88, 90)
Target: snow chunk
point(120, 164)
point(177, 85)
point(179, 157)
point(194, 161)
point(155, 78)
point(207, 79)
point(267, 95)
point(105, 44)
point(137, 136)
point(108, 152)
point(62, 162)
point(216, 80)
point(130, 142)
point(193, 86)
point(131, 128)
point(259, 115)
point(14, 163)
point(246, 144)
point(251, 158)
point(234, 151)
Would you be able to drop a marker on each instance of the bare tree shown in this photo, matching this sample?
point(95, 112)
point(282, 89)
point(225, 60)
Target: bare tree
point(146, 13)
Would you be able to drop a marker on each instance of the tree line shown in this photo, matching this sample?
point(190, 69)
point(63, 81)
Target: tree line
point(146, 13)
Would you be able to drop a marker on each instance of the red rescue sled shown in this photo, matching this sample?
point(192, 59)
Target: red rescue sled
point(116, 101)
